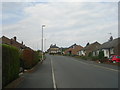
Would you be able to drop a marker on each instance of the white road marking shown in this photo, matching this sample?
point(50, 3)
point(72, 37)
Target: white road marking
point(105, 68)
point(98, 66)
point(53, 76)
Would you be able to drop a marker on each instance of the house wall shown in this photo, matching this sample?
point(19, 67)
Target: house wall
point(106, 52)
point(81, 53)
point(54, 50)
point(117, 50)
point(112, 51)
point(74, 51)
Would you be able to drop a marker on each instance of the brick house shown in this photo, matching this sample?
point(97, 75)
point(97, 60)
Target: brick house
point(73, 50)
point(12, 42)
point(89, 48)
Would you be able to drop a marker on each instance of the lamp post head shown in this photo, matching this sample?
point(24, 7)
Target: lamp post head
point(43, 25)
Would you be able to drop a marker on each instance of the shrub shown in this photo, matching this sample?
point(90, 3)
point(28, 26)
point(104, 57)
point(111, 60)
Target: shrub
point(37, 57)
point(27, 56)
point(94, 58)
point(84, 57)
point(30, 58)
point(10, 64)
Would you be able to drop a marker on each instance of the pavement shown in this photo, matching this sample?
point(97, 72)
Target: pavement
point(69, 72)
point(0, 68)
point(40, 77)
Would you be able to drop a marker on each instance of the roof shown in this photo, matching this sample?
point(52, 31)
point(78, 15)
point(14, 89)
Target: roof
point(73, 45)
point(12, 42)
point(92, 46)
point(54, 46)
point(74, 50)
point(110, 44)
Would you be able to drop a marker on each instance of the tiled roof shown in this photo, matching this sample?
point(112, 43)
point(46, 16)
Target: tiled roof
point(12, 42)
point(54, 46)
point(110, 44)
point(92, 46)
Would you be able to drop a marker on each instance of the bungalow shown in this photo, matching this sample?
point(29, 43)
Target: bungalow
point(89, 48)
point(110, 48)
point(73, 50)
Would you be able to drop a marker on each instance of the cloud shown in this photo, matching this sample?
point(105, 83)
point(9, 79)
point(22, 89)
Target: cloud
point(60, 0)
point(66, 23)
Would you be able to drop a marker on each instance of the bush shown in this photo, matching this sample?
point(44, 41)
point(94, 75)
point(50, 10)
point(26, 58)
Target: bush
point(37, 57)
point(10, 64)
point(84, 57)
point(30, 58)
point(94, 58)
point(27, 56)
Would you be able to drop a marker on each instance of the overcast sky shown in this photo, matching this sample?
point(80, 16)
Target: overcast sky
point(66, 22)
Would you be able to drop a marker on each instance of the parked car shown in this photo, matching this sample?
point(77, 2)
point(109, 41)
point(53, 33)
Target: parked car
point(114, 58)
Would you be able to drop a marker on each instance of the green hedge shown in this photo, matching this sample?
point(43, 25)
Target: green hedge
point(36, 57)
point(10, 64)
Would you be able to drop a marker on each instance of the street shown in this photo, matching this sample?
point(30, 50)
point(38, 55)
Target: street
point(68, 72)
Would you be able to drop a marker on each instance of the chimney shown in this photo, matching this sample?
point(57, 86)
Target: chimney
point(15, 38)
point(22, 43)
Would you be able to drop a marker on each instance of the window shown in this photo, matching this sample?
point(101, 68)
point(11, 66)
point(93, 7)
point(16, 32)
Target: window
point(117, 56)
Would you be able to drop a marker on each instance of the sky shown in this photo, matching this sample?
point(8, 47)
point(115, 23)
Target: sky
point(65, 23)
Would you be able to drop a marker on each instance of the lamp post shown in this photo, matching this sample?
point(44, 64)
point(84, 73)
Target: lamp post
point(45, 45)
point(42, 41)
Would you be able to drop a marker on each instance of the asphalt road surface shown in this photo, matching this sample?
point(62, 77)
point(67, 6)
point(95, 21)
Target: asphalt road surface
point(68, 72)
point(0, 68)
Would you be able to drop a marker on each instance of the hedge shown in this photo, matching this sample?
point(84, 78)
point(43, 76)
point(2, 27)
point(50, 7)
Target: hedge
point(30, 58)
point(10, 64)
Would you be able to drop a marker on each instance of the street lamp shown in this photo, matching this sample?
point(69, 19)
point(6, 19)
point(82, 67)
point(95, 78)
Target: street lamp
point(42, 41)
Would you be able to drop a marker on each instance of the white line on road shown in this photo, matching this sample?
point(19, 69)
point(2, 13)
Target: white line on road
point(98, 66)
point(53, 76)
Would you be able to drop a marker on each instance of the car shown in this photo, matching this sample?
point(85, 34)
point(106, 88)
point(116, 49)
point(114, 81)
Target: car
point(114, 58)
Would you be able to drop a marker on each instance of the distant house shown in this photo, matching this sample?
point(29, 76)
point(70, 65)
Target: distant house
point(109, 48)
point(54, 49)
point(63, 50)
point(73, 50)
point(12, 42)
point(89, 48)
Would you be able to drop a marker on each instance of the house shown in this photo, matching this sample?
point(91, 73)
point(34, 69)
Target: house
point(89, 48)
point(62, 49)
point(110, 47)
point(54, 49)
point(12, 42)
point(73, 50)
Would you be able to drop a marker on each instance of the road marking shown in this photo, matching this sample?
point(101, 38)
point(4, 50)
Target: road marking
point(53, 76)
point(105, 67)
point(98, 66)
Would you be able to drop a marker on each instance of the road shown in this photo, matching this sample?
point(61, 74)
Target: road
point(0, 73)
point(68, 72)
